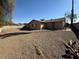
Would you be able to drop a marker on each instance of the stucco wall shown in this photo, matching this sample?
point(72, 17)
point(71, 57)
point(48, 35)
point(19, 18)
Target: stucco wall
point(49, 25)
point(34, 25)
point(59, 25)
point(55, 25)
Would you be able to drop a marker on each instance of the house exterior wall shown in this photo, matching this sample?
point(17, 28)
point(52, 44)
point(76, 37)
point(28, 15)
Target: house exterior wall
point(49, 25)
point(55, 25)
point(59, 25)
point(35, 25)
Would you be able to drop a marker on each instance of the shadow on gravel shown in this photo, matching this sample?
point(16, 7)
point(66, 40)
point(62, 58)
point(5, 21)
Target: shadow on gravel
point(25, 29)
point(71, 51)
point(12, 34)
point(75, 30)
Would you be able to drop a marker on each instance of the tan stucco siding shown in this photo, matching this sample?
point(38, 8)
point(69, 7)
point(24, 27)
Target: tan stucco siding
point(50, 25)
point(59, 25)
point(34, 25)
point(46, 25)
point(55, 25)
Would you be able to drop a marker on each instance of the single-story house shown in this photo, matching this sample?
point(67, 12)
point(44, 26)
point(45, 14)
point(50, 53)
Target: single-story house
point(52, 24)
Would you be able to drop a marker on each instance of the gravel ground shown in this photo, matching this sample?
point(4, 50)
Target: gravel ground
point(41, 44)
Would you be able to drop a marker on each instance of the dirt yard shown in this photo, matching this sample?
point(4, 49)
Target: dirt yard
point(38, 44)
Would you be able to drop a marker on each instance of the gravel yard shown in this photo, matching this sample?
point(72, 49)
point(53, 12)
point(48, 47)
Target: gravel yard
point(38, 44)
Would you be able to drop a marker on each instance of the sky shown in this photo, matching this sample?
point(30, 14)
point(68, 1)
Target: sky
point(26, 10)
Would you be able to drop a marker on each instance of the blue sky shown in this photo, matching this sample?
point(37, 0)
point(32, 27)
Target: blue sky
point(26, 10)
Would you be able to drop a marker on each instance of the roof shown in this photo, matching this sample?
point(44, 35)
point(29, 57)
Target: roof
point(50, 20)
point(53, 20)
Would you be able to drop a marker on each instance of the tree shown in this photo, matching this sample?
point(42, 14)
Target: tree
point(1, 16)
point(68, 15)
point(10, 8)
